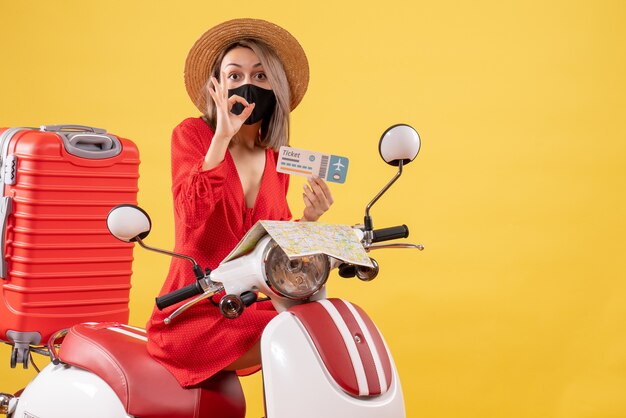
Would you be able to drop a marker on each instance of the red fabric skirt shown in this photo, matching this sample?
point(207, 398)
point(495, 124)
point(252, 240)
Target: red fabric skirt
point(201, 342)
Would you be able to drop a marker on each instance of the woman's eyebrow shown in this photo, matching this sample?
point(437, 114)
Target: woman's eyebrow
point(258, 64)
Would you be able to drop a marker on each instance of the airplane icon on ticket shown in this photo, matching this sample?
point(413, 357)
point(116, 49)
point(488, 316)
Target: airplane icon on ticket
point(338, 166)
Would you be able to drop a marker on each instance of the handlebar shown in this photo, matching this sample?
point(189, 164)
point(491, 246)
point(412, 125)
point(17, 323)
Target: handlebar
point(179, 295)
point(189, 291)
point(386, 234)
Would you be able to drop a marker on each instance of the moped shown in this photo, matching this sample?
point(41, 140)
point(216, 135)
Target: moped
point(320, 357)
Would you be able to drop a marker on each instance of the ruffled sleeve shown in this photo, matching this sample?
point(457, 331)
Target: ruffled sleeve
point(196, 192)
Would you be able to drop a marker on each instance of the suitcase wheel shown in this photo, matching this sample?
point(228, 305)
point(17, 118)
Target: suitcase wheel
point(20, 355)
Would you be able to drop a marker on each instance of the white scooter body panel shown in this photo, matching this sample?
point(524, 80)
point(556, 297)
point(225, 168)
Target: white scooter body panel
point(294, 374)
point(63, 391)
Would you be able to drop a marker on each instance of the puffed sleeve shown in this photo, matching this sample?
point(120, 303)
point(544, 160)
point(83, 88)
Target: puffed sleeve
point(196, 192)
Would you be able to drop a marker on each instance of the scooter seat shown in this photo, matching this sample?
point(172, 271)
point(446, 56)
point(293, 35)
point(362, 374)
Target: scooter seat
point(117, 354)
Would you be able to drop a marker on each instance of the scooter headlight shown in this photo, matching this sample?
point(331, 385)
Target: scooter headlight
point(298, 278)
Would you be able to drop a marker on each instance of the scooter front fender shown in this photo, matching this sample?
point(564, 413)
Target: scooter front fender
point(298, 383)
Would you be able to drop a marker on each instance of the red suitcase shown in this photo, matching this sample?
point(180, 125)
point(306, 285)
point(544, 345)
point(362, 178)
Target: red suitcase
point(60, 265)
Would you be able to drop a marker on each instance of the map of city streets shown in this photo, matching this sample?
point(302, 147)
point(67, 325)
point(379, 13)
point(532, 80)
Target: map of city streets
point(306, 238)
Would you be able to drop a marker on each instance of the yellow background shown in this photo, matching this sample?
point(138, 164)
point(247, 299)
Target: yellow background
point(517, 306)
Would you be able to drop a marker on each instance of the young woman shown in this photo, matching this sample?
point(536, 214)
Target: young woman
point(245, 76)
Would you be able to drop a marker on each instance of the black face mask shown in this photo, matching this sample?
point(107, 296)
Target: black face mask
point(265, 102)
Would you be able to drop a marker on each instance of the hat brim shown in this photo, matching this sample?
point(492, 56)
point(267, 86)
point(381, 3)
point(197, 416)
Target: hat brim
point(202, 56)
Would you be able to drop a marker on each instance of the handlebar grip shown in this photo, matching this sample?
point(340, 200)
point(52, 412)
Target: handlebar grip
point(178, 295)
point(394, 232)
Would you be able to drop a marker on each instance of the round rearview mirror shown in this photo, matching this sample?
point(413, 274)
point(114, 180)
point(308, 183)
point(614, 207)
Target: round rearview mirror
point(128, 222)
point(399, 143)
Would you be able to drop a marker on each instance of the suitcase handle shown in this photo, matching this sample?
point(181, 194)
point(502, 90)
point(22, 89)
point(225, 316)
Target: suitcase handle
point(91, 142)
point(83, 128)
point(86, 141)
point(91, 146)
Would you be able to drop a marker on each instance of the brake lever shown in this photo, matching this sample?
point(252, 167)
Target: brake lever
point(394, 245)
point(209, 292)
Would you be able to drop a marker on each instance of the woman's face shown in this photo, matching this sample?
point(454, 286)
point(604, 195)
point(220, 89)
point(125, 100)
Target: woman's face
point(241, 66)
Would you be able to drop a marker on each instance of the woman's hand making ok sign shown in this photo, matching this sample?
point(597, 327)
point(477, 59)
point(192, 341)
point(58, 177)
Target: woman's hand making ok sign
point(228, 124)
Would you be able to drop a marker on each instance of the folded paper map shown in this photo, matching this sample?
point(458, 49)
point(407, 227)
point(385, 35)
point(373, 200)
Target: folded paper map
point(298, 239)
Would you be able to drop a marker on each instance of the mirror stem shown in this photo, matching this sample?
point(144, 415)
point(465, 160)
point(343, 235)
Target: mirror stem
point(196, 268)
point(369, 225)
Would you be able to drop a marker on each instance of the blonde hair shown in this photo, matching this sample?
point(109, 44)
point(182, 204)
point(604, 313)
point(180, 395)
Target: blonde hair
point(275, 131)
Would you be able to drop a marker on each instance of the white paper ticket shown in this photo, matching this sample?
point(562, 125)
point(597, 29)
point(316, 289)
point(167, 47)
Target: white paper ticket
point(305, 163)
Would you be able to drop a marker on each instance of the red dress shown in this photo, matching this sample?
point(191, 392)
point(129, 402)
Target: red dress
point(210, 218)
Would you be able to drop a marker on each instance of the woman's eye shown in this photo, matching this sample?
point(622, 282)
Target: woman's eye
point(261, 76)
point(233, 76)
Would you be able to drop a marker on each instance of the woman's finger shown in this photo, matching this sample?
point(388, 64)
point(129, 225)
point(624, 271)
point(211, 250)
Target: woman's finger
point(245, 114)
point(217, 87)
point(315, 186)
point(307, 202)
point(311, 212)
point(212, 94)
point(320, 187)
point(237, 99)
point(223, 87)
point(216, 84)
point(310, 194)
point(216, 92)
point(321, 200)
